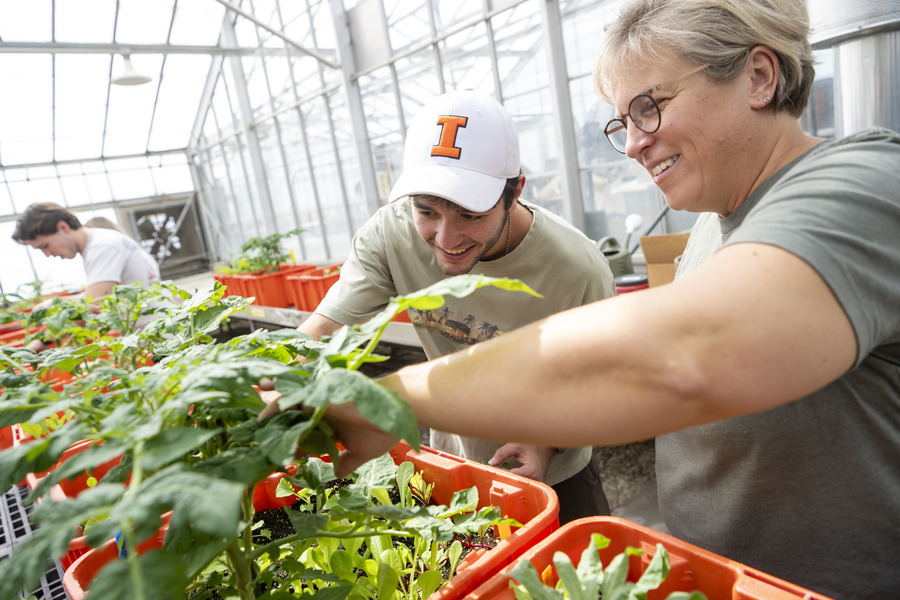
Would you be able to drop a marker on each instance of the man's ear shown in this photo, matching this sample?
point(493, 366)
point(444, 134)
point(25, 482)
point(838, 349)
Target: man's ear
point(519, 187)
point(62, 227)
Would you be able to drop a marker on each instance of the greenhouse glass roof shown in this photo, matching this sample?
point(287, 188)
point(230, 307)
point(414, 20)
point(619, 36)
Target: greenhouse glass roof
point(59, 63)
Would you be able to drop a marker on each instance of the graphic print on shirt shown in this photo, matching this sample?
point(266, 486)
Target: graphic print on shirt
point(460, 329)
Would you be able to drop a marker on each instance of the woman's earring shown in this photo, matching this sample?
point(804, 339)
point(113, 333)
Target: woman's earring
point(766, 100)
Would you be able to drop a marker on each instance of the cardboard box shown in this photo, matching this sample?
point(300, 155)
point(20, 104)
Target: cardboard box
point(660, 251)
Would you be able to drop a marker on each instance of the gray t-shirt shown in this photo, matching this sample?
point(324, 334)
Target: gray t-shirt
point(389, 257)
point(810, 491)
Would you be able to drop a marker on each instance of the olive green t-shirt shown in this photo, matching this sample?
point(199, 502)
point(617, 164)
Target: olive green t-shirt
point(389, 258)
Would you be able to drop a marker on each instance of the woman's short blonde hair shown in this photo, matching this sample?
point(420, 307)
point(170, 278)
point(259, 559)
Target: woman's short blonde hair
point(719, 33)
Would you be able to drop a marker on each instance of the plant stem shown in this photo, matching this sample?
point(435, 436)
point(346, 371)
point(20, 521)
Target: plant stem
point(241, 568)
point(137, 470)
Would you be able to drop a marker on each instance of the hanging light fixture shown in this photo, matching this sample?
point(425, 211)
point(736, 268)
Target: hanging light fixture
point(129, 75)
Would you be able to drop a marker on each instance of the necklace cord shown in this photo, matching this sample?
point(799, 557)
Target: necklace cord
point(508, 231)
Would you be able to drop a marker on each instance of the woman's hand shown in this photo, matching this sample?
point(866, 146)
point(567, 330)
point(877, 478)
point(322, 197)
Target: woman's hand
point(362, 440)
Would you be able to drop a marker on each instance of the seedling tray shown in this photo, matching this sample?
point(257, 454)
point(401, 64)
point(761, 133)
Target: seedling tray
point(529, 502)
point(307, 289)
point(692, 568)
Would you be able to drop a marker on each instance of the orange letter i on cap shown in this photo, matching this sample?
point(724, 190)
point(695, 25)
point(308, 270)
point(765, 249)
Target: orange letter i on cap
point(449, 128)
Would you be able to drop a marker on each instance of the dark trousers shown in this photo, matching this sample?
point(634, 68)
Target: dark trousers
point(581, 495)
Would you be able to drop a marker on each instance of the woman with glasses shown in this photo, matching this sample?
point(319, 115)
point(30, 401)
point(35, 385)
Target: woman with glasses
point(769, 371)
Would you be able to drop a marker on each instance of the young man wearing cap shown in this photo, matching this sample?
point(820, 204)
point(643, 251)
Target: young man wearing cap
point(456, 209)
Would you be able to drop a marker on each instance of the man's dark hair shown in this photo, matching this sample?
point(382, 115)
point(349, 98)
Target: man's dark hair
point(42, 218)
point(509, 190)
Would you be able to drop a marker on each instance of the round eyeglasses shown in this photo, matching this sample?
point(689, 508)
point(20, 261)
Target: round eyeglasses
point(644, 113)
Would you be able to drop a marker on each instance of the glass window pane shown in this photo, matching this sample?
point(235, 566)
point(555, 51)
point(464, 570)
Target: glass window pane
point(383, 124)
point(81, 85)
point(141, 22)
point(17, 268)
point(819, 117)
point(448, 15)
point(583, 22)
point(172, 174)
point(178, 102)
point(197, 22)
point(25, 21)
point(349, 167)
point(26, 140)
point(75, 189)
point(6, 204)
point(84, 21)
point(130, 178)
point(418, 80)
point(408, 24)
point(466, 62)
point(98, 186)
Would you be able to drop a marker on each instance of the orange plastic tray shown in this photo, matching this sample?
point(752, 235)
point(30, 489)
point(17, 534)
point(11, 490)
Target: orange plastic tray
point(79, 574)
point(530, 502)
point(692, 568)
point(271, 289)
point(309, 288)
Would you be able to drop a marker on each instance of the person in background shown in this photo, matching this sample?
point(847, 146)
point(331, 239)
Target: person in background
point(110, 257)
point(456, 209)
point(769, 370)
point(104, 223)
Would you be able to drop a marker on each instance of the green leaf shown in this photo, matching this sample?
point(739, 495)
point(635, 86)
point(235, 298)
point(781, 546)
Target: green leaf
point(428, 582)
point(377, 473)
point(315, 474)
point(36, 456)
point(590, 569)
point(527, 576)
point(380, 406)
point(405, 472)
point(388, 576)
point(569, 578)
point(245, 466)
point(209, 505)
point(463, 501)
point(615, 578)
point(280, 436)
point(171, 444)
point(342, 565)
point(308, 525)
point(653, 576)
point(160, 575)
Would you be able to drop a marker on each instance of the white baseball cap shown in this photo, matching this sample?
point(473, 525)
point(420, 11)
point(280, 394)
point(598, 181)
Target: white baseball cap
point(461, 146)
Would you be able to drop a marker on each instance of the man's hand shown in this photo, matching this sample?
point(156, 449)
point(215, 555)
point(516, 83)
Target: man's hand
point(534, 459)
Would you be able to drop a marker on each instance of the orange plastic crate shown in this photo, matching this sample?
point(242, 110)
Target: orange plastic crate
point(271, 289)
point(530, 502)
point(309, 288)
point(692, 568)
point(79, 574)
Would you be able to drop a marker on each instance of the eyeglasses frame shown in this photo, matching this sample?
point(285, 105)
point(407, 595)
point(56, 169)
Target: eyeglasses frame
point(621, 120)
